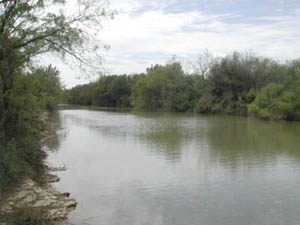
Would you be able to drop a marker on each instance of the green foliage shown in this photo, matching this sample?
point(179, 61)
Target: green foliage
point(11, 167)
point(20, 153)
point(28, 29)
point(239, 84)
point(27, 216)
point(166, 88)
point(162, 88)
point(205, 104)
point(233, 80)
point(48, 87)
point(112, 91)
point(279, 101)
point(108, 91)
point(20, 148)
point(149, 90)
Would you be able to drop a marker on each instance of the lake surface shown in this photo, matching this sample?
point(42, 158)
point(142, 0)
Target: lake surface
point(177, 169)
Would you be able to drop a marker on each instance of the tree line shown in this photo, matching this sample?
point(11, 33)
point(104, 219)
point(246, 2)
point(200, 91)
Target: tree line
point(238, 84)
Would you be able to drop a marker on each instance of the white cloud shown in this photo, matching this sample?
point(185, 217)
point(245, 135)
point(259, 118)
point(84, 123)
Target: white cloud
point(141, 36)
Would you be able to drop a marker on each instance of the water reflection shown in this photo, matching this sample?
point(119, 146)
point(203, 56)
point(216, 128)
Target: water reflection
point(52, 142)
point(229, 138)
point(238, 140)
point(165, 139)
point(174, 169)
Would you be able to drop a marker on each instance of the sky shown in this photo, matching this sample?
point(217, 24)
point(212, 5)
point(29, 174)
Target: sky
point(149, 32)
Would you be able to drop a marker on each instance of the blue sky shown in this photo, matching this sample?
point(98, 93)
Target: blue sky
point(147, 32)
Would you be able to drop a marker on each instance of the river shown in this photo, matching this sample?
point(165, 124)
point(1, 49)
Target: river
point(128, 168)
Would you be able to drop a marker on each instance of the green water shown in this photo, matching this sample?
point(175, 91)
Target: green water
point(178, 169)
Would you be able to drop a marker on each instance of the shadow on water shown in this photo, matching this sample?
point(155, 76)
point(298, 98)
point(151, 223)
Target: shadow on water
point(58, 132)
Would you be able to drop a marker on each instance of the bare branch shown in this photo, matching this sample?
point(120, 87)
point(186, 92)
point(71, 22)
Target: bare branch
point(7, 15)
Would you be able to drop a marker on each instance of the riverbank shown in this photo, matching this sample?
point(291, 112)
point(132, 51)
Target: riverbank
point(39, 194)
point(44, 198)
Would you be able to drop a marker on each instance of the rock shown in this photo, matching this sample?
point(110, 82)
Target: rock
point(66, 194)
point(21, 194)
point(6, 209)
point(55, 204)
point(44, 203)
point(51, 178)
point(71, 204)
point(30, 197)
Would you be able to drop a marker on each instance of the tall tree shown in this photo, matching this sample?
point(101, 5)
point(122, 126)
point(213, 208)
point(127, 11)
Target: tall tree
point(29, 28)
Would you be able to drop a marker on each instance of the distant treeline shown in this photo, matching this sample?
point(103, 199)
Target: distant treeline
point(239, 84)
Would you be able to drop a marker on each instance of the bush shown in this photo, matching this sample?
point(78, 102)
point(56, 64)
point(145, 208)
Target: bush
point(278, 101)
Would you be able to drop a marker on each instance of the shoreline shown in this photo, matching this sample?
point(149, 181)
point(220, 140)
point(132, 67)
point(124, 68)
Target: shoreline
point(133, 110)
point(41, 195)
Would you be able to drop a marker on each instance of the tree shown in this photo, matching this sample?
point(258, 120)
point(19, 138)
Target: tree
point(279, 101)
point(48, 86)
point(234, 80)
point(32, 28)
point(165, 88)
point(204, 62)
point(28, 29)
